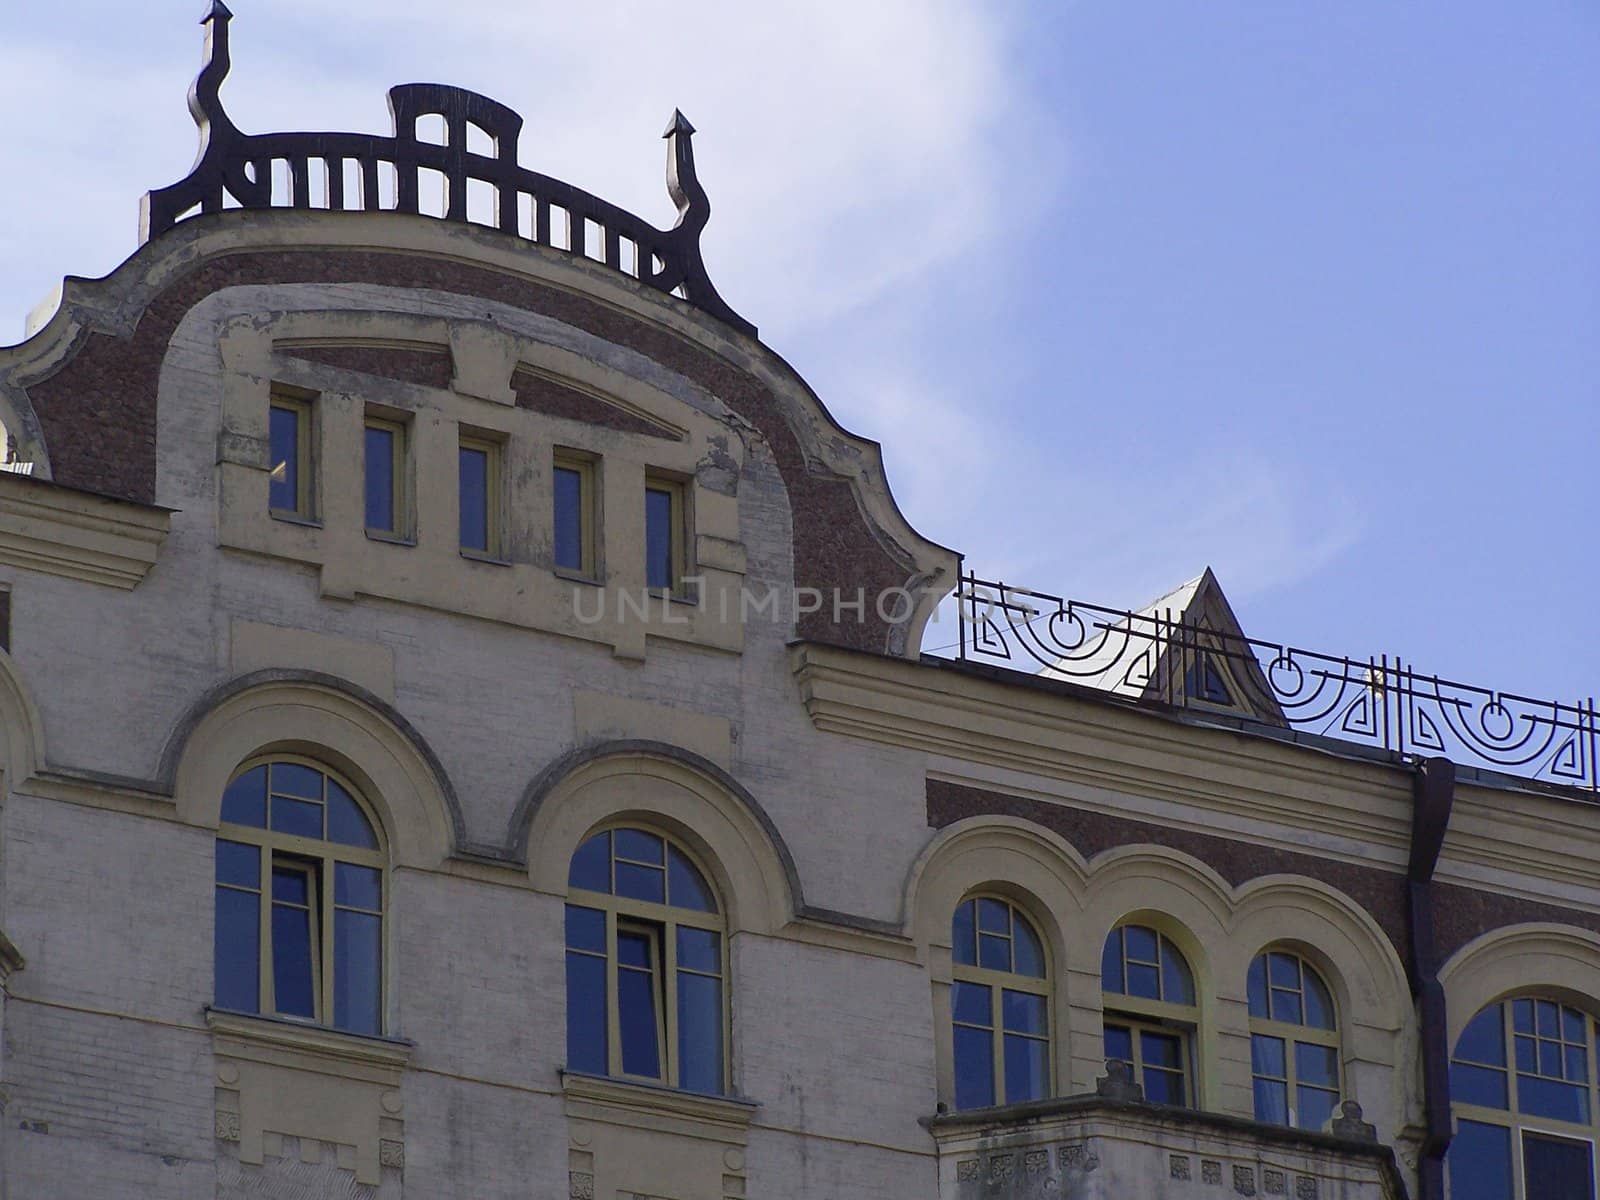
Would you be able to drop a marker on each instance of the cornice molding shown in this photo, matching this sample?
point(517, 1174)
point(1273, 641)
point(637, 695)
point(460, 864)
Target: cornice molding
point(78, 535)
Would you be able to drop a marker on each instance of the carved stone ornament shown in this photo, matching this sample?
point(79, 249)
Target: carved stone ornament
point(227, 1126)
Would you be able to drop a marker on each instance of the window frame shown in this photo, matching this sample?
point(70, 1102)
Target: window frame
point(1290, 1033)
point(399, 466)
point(305, 508)
point(999, 982)
point(1520, 1124)
point(492, 446)
point(587, 468)
point(321, 858)
point(1154, 1016)
point(676, 487)
point(664, 921)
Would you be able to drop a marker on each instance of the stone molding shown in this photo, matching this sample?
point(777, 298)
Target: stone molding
point(631, 1138)
point(285, 1079)
point(78, 535)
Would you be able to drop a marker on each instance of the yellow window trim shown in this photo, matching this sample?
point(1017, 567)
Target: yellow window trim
point(493, 449)
point(586, 467)
point(304, 509)
point(400, 500)
point(677, 488)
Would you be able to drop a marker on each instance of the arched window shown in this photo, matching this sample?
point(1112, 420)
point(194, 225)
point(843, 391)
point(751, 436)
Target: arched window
point(300, 898)
point(1294, 1042)
point(1150, 1013)
point(1523, 1090)
point(646, 971)
point(1000, 1005)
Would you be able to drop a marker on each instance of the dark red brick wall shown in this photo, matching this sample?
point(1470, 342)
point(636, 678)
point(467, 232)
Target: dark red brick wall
point(431, 368)
point(98, 412)
point(539, 394)
point(1461, 913)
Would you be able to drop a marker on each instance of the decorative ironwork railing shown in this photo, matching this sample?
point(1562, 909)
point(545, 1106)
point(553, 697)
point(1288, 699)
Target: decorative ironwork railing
point(1378, 701)
point(371, 173)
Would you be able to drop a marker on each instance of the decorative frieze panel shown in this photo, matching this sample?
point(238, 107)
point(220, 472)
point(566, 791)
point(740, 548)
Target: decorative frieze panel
point(630, 1141)
point(333, 1099)
point(1087, 1148)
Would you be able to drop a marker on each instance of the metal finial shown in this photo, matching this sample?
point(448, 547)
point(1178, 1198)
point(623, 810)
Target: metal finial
point(678, 124)
point(218, 12)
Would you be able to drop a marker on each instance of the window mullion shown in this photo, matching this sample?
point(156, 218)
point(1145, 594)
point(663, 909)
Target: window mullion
point(265, 1002)
point(613, 1008)
point(669, 1004)
point(325, 920)
point(997, 1049)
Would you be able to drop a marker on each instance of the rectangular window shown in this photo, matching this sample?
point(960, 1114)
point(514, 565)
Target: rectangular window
point(573, 503)
point(385, 477)
point(480, 496)
point(665, 534)
point(296, 929)
point(289, 444)
point(640, 1016)
point(1556, 1166)
point(1157, 1056)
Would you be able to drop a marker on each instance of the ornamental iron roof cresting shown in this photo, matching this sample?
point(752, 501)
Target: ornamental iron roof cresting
point(240, 167)
point(1379, 701)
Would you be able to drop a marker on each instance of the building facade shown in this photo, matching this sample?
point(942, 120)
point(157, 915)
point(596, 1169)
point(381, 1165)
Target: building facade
point(467, 733)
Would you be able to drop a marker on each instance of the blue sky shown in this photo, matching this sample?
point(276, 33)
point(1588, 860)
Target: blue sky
point(1307, 293)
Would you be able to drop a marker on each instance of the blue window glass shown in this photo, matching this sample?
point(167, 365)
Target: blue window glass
point(1479, 1162)
point(1027, 1068)
point(382, 496)
point(586, 1008)
point(1484, 1038)
point(1024, 1012)
point(963, 934)
point(283, 488)
point(586, 929)
point(296, 779)
point(1027, 953)
point(699, 950)
point(591, 865)
point(1552, 1098)
point(1316, 1107)
point(1556, 1166)
point(474, 469)
point(1484, 1086)
point(569, 519)
point(294, 992)
point(347, 824)
point(636, 845)
point(637, 1010)
point(358, 887)
point(245, 801)
point(1177, 984)
point(1256, 986)
point(1272, 1100)
point(686, 887)
point(641, 883)
point(302, 818)
point(238, 947)
point(357, 970)
point(1111, 979)
point(239, 864)
point(974, 1054)
point(1119, 1044)
point(699, 1031)
point(994, 953)
point(658, 539)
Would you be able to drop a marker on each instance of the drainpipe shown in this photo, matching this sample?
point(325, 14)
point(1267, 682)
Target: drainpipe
point(1433, 791)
